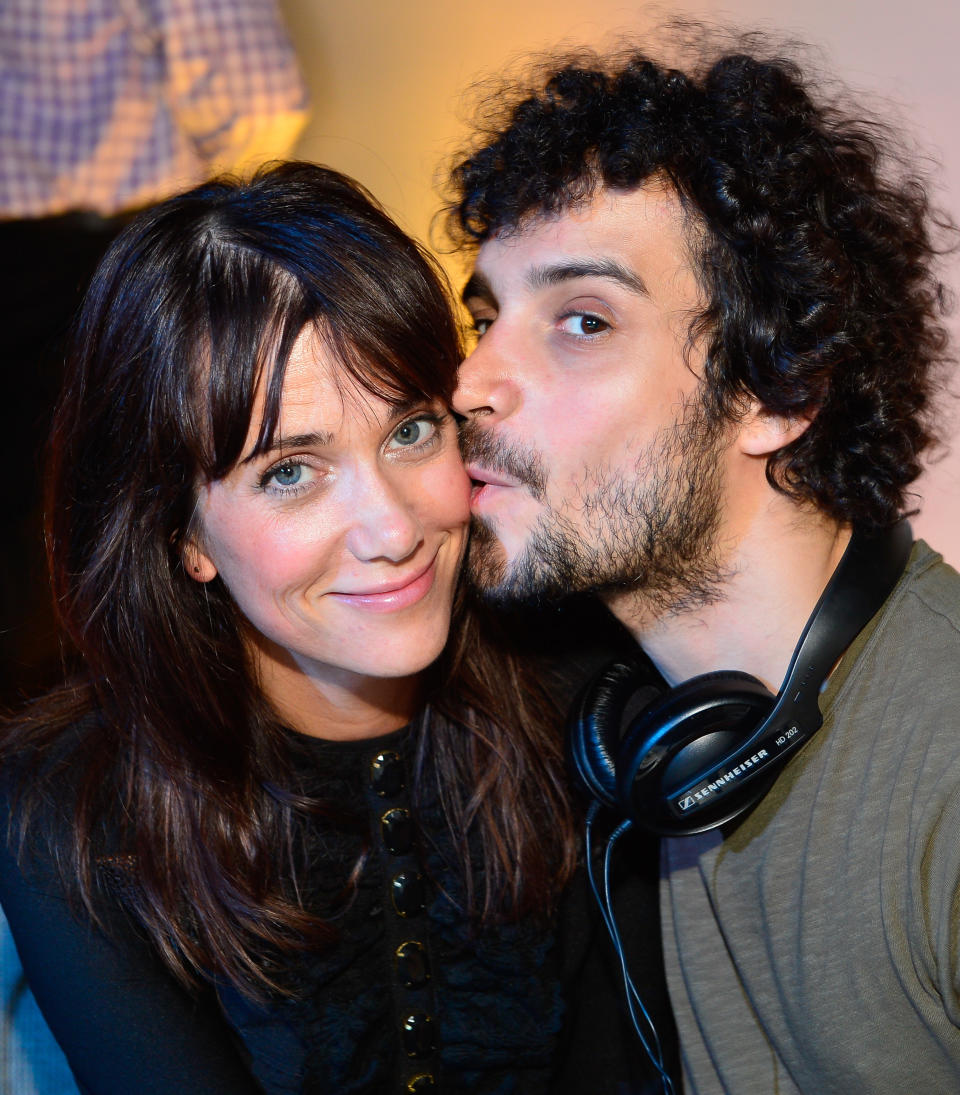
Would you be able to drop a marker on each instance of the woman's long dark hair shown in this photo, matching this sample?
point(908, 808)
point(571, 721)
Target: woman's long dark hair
point(165, 740)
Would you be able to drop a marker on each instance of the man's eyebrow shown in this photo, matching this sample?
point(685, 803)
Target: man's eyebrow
point(477, 286)
point(316, 440)
point(541, 277)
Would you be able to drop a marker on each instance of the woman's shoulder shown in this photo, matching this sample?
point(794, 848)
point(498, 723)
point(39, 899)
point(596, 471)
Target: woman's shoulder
point(65, 710)
point(48, 750)
point(56, 718)
point(59, 808)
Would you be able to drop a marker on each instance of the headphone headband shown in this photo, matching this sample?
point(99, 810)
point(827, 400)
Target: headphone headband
point(867, 571)
point(704, 752)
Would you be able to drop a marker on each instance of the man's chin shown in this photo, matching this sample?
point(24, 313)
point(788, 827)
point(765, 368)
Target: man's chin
point(499, 582)
point(486, 563)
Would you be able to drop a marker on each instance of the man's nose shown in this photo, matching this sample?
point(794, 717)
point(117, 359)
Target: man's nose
point(487, 384)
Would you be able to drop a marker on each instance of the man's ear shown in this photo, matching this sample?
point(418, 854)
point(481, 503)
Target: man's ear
point(198, 564)
point(761, 432)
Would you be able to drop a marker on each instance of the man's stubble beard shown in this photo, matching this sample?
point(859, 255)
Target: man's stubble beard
point(651, 534)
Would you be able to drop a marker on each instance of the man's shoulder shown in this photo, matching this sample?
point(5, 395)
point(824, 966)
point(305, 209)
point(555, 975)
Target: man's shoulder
point(927, 568)
point(901, 669)
point(929, 587)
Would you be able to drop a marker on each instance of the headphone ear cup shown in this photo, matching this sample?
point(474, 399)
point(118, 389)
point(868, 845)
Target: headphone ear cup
point(598, 718)
point(685, 733)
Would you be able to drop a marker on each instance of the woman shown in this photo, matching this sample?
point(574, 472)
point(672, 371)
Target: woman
point(308, 845)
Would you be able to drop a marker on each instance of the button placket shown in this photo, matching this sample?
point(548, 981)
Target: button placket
point(396, 828)
point(412, 964)
point(386, 774)
point(408, 896)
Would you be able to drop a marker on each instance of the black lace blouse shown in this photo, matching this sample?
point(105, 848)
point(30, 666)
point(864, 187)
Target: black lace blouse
point(411, 998)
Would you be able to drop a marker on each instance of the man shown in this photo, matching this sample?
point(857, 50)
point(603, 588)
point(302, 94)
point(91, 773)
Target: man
point(709, 336)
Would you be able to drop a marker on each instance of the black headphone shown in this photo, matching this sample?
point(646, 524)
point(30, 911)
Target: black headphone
point(682, 760)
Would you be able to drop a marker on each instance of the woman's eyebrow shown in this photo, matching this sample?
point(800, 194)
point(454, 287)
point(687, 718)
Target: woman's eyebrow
point(317, 439)
point(403, 407)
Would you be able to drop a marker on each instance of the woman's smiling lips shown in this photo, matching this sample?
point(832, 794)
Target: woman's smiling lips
point(394, 595)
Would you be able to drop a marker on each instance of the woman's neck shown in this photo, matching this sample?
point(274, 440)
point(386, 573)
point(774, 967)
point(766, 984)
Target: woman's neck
point(334, 703)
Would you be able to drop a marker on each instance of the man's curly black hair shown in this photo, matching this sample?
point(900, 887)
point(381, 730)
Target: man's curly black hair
point(813, 243)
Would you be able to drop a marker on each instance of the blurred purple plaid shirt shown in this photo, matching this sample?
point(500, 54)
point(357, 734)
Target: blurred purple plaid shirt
point(107, 105)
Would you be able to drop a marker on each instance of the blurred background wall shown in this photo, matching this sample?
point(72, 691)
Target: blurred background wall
point(388, 82)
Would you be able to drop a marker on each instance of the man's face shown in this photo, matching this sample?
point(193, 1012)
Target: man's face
point(595, 466)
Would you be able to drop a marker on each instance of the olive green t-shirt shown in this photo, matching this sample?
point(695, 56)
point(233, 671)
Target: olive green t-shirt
point(814, 947)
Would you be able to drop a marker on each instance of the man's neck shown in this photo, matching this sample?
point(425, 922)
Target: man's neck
point(775, 570)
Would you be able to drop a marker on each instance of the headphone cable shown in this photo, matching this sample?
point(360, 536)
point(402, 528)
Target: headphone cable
point(605, 904)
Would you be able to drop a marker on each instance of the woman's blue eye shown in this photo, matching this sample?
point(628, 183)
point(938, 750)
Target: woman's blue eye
point(414, 432)
point(286, 475)
point(287, 478)
point(408, 434)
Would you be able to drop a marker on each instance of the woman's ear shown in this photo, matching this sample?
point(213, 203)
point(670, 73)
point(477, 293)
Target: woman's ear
point(762, 432)
point(198, 564)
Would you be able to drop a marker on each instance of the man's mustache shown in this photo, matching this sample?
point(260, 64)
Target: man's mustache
point(521, 463)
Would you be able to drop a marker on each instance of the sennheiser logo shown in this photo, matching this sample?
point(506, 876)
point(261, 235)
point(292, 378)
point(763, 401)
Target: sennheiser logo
point(695, 798)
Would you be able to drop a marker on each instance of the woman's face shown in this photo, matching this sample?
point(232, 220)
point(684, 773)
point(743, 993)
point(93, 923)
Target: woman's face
point(342, 543)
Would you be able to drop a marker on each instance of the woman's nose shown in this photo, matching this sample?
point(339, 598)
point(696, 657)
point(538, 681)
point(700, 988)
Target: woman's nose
point(385, 524)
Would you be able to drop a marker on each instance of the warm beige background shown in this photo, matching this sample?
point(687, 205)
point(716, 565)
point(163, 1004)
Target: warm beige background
point(388, 80)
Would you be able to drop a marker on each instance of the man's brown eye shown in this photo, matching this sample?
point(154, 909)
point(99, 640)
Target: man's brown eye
point(583, 323)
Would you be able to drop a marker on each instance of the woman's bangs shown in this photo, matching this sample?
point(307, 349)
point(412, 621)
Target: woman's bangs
point(397, 374)
point(250, 337)
point(379, 308)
